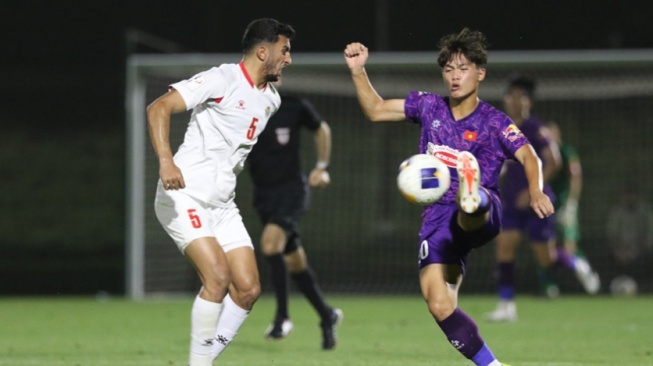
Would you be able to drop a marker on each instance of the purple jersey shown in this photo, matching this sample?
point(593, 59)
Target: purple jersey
point(487, 133)
point(514, 181)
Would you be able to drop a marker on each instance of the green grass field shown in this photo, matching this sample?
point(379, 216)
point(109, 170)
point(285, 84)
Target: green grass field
point(384, 331)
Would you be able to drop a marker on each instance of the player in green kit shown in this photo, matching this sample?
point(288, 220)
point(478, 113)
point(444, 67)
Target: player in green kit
point(567, 186)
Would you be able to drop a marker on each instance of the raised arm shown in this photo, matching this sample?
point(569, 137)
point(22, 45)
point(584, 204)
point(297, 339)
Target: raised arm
point(376, 109)
point(540, 202)
point(319, 176)
point(158, 122)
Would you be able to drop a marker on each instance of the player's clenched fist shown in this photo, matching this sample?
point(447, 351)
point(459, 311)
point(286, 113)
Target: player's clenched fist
point(356, 55)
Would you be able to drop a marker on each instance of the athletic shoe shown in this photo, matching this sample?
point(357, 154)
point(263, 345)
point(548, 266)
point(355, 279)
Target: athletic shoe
point(506, 311)
point(469, 179)
point(588, 278)
point(329, 337)
point(279, 329)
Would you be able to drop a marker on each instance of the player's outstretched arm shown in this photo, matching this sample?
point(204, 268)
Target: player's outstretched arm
point(158, 122)
point(540, 202)
point(376, 109)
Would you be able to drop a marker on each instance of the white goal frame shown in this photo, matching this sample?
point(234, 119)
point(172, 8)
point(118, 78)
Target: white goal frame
point(137, 141)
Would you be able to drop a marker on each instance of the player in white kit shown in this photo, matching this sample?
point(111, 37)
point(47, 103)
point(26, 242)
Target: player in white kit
point(230, 105)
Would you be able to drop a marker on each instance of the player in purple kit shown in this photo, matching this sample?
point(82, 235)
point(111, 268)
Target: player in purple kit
point(471, 137)
point(517, 218)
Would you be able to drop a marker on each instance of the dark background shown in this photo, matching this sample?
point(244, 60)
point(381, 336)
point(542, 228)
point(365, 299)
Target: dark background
point(63, 78)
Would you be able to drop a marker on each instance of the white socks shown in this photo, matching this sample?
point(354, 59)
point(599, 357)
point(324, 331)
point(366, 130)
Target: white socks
point(231, 319)
point(204, 319)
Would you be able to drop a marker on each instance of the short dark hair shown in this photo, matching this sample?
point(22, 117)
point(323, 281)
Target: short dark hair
point(265, 30)
point(472, 44)
point(523, 82)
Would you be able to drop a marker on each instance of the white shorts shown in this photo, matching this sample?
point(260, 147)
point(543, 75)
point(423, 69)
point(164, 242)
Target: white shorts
point(185, 219)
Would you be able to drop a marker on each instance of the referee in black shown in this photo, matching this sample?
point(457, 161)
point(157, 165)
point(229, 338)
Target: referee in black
point(281, 196)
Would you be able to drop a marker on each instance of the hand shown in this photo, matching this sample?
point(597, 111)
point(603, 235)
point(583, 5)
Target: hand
point(356, 55)
point(541, 204)
point(319, 178)
point(171, 176)
point(566, 215)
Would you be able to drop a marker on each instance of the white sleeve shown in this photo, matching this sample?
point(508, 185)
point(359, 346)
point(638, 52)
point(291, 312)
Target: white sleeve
point(206, 85)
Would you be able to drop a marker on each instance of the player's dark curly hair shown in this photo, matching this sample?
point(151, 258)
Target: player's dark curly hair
point(265, 30)
point(524, 82)
point(470, 43)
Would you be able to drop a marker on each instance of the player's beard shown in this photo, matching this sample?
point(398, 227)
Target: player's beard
point(271, 77)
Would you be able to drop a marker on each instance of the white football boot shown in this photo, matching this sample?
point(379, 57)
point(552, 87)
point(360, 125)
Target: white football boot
point(586, 276)
point(506, 311)
point(469, 180)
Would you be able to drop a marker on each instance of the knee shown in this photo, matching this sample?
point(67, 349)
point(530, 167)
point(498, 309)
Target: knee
point(215, 285)
point(440, 309)
point(272, 245)
point(247, 294)
point(269, 249)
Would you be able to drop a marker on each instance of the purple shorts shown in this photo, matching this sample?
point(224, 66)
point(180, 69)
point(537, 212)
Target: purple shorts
point(443, 241)
point(538, 230)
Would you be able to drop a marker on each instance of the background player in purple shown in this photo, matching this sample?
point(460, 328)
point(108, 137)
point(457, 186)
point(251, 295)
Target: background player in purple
point(472, 137)
point(517, 218)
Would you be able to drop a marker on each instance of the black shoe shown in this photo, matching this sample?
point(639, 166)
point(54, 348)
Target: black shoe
point(279, 329)
point(329, 329)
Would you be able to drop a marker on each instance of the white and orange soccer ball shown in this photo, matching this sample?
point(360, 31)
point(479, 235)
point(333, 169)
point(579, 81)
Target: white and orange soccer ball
point(423, 179)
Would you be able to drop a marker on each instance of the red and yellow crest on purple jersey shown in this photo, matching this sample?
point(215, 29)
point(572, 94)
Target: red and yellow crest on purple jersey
point(470, 136)
point(512, 133)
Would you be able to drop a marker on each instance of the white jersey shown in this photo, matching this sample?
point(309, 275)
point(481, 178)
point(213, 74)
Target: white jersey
point(229, 113)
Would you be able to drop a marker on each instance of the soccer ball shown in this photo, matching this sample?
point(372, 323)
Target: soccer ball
point(423, 179)
point(623, 286)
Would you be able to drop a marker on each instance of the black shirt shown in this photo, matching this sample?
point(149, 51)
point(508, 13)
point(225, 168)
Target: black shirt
point(275, 160)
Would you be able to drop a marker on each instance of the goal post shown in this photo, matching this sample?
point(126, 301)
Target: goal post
point(360, 234)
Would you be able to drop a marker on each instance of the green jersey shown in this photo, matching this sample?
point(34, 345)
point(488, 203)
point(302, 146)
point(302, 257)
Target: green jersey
point(562, 182)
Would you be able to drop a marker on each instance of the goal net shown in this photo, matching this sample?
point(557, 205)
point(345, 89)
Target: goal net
point(360, 235)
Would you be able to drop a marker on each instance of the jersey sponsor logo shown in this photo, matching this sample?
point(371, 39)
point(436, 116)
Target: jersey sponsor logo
point(283, 135)
point(448, 155)
point(512, 133)
point(470, 136)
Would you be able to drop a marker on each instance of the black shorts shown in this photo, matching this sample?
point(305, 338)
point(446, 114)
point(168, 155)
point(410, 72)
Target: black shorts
point(283, 205)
